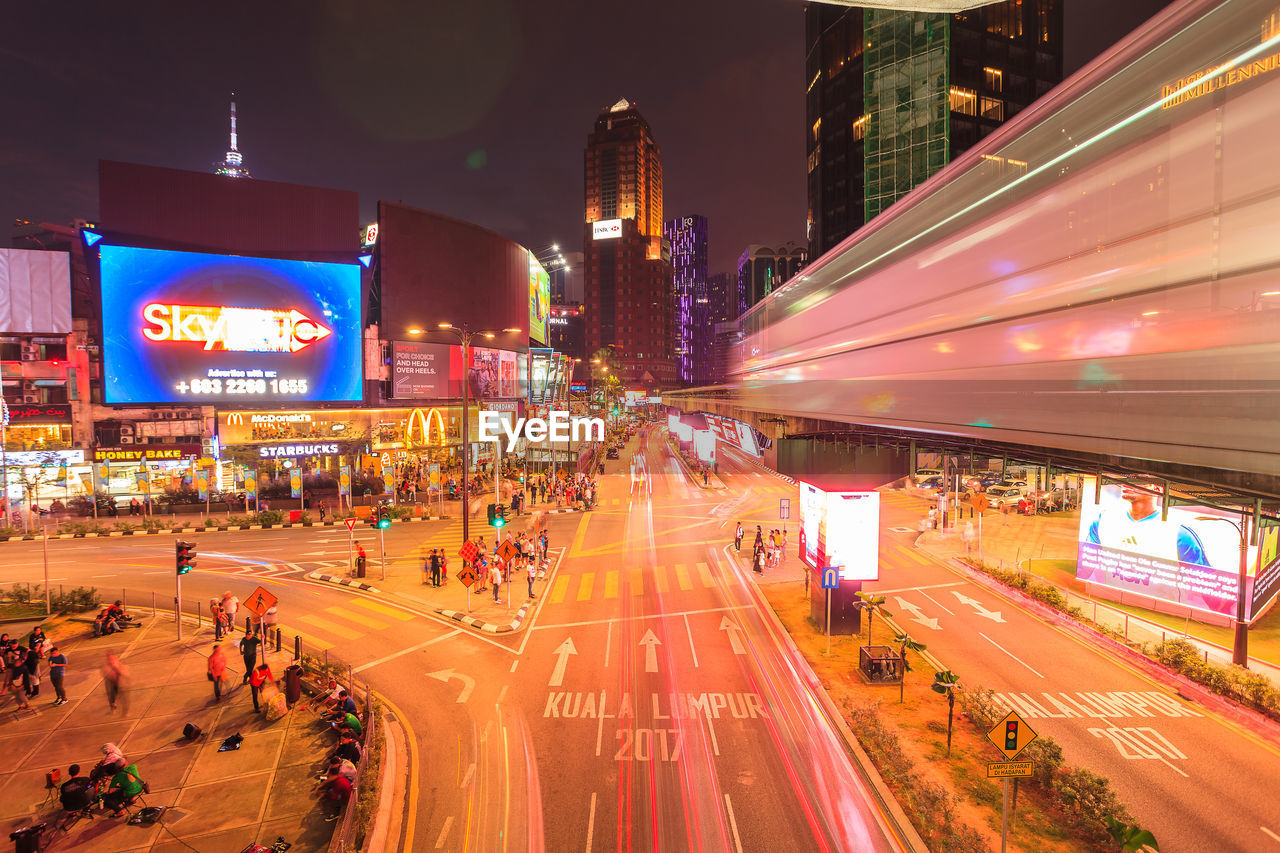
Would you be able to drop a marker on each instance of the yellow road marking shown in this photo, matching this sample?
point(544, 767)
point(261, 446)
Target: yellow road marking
point(382, 608)
point(660, 575)
point(637, 581)
point(911, 552)
point(682, 576)
point(331, 627)
point(308, 640)
point(704, 575)
point(358, 618)
point(585, 585)
point(575, 550)
point(558, 591)
point(610, 584)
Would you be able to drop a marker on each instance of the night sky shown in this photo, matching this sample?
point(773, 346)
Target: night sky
point(479, 110)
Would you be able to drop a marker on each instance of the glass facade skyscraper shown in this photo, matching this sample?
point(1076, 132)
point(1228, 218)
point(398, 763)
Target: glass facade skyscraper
point(688, 238)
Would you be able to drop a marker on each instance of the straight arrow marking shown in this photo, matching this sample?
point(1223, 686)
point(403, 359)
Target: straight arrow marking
point(557, 674)
point(651, 642)
point(735, 640)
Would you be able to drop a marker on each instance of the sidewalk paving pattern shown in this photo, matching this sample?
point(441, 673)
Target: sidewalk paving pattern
point(215, 801)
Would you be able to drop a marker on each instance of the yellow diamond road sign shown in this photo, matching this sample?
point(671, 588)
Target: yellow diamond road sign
point(1011, 735)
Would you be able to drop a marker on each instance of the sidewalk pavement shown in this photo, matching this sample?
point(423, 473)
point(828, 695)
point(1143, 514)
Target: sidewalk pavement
point(216, 801)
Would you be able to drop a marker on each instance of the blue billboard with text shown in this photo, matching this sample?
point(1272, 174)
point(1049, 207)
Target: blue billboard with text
point(182, 327)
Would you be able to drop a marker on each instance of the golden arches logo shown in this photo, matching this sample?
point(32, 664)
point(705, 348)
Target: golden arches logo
point(417, 432)
point(235, 419)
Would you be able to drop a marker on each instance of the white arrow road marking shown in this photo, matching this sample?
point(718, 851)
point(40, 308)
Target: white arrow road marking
point(468, 683)
point(993, 615)
point(916, 615)
point(735, 641)
point(557, 674)
point(651, 643)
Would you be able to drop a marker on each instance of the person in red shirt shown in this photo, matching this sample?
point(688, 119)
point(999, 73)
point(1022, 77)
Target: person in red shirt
point(334, 792)
point(260, 676)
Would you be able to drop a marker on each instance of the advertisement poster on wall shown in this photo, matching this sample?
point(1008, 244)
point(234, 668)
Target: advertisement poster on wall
point(841, 529)
point(1190, 557)
point(507, 377)
point(539, 300)
point(185, 327)
point(421, 370)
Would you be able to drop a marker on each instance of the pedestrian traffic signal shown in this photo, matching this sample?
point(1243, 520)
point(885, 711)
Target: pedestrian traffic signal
point(384, 517)
point(184, 556)
point(497, 518)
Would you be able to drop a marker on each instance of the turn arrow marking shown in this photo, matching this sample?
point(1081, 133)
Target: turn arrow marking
point(650, 643)
point(735, 640)
point(468, 683)
point(916, 615)
point(993, 615)
point(557, 674)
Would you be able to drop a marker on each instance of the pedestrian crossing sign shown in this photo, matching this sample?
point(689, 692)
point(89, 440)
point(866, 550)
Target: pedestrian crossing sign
point(260, 602)
point(507, 550)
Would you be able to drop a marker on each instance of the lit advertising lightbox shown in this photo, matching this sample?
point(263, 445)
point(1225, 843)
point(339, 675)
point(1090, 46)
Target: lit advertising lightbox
point(539, 300)
point(182, 327)
point(841, 529)
point(421, 370)
point(1191, 558)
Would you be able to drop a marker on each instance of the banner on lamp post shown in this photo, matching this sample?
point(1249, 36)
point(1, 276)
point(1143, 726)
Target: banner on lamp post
point(344, 481)
point(202, 483)
point(388, 480)
point(251, 485)
point(143, 478)
point(295, 481)
point(102, 476)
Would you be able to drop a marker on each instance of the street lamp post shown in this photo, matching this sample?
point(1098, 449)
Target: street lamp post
point(1240, 644)
point(464, 334)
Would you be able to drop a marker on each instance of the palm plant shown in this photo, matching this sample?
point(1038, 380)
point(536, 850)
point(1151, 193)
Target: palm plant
point(946, 682)
point(905, 643)
point(871, 604)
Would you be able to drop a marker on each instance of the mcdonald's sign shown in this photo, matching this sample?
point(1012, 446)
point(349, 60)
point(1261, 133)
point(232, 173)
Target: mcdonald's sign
point(417, 432)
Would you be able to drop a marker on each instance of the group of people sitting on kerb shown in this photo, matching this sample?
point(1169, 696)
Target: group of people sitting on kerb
point(111, 620)
point(113, 784)
point(337, 781)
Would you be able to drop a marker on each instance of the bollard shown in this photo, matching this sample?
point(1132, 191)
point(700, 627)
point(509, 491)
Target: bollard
point(277, 639)
point(248, 626)
point(199, 615)
point(326, 660)
point(297, 647)
point(351, 683)
point(124, 604)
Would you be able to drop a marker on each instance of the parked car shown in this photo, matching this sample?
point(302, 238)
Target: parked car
point(930, 483)
point(926, 473)
point(1006, 495)
point(611, 453)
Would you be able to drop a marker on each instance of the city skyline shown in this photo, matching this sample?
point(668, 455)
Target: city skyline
point(318, 108)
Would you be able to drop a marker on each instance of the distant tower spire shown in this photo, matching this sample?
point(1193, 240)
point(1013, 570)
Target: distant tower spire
point(232, 165)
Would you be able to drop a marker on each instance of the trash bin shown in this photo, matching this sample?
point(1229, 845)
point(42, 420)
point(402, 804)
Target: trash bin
point(295, 515)
point(360, 567)
point(292, 684)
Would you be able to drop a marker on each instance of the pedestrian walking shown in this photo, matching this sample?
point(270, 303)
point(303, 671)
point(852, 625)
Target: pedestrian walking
point(216, 618)
point(230, 606)
point(323, 508)
point(531, 572)
point(57, 669)
point(258, 679)
point(495, 578)
point(737, 538)
point(217, 671)
point(13, 681)
point(436, 560)
point(115, 678)
point(249, 653)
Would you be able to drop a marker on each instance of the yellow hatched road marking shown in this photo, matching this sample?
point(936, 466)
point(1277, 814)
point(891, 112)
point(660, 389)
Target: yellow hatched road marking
point(910, 552)
point(610, 584)
point(358, 618)
point(637, 581)
point(558, 591)
point(382, 608)
point(308, 640)
point(704, 575)
point(331, 627)
point(682, 576)
point(585, 585)
point(660, 575)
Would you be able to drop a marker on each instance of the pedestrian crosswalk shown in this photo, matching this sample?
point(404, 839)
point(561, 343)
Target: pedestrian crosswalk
point(616, 583)
point(350, 620)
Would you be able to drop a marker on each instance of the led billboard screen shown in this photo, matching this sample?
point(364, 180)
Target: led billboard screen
point(1191, 557)
point(181, 327)
point(539, 300)
point(841, 529)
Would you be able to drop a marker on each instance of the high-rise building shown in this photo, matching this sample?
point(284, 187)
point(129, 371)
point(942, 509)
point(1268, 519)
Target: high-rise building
point(895, 96)
point(722, 297)
point(688, 238)
point(763, 269)
point(232, 163)
point(627, 272)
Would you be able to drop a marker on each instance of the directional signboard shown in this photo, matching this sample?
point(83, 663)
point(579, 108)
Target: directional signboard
point(467, 575)
point(1011, 735)
point(260, 602)
point(831, 577)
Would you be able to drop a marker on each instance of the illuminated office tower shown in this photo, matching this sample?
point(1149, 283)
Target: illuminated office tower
point(629, 295)
point(688, 238)
point(895, 96)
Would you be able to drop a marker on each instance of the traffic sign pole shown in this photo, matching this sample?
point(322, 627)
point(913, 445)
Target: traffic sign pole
point(1004, 816)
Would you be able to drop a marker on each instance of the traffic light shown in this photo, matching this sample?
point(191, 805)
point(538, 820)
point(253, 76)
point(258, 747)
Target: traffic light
point(184, 556)
point(1011, 735)
point(496, 515)
point(384, 517)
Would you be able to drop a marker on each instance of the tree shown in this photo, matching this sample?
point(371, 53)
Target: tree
point(1130, 837)
point(905, 642)
point(871, 604)
point(945, 682)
